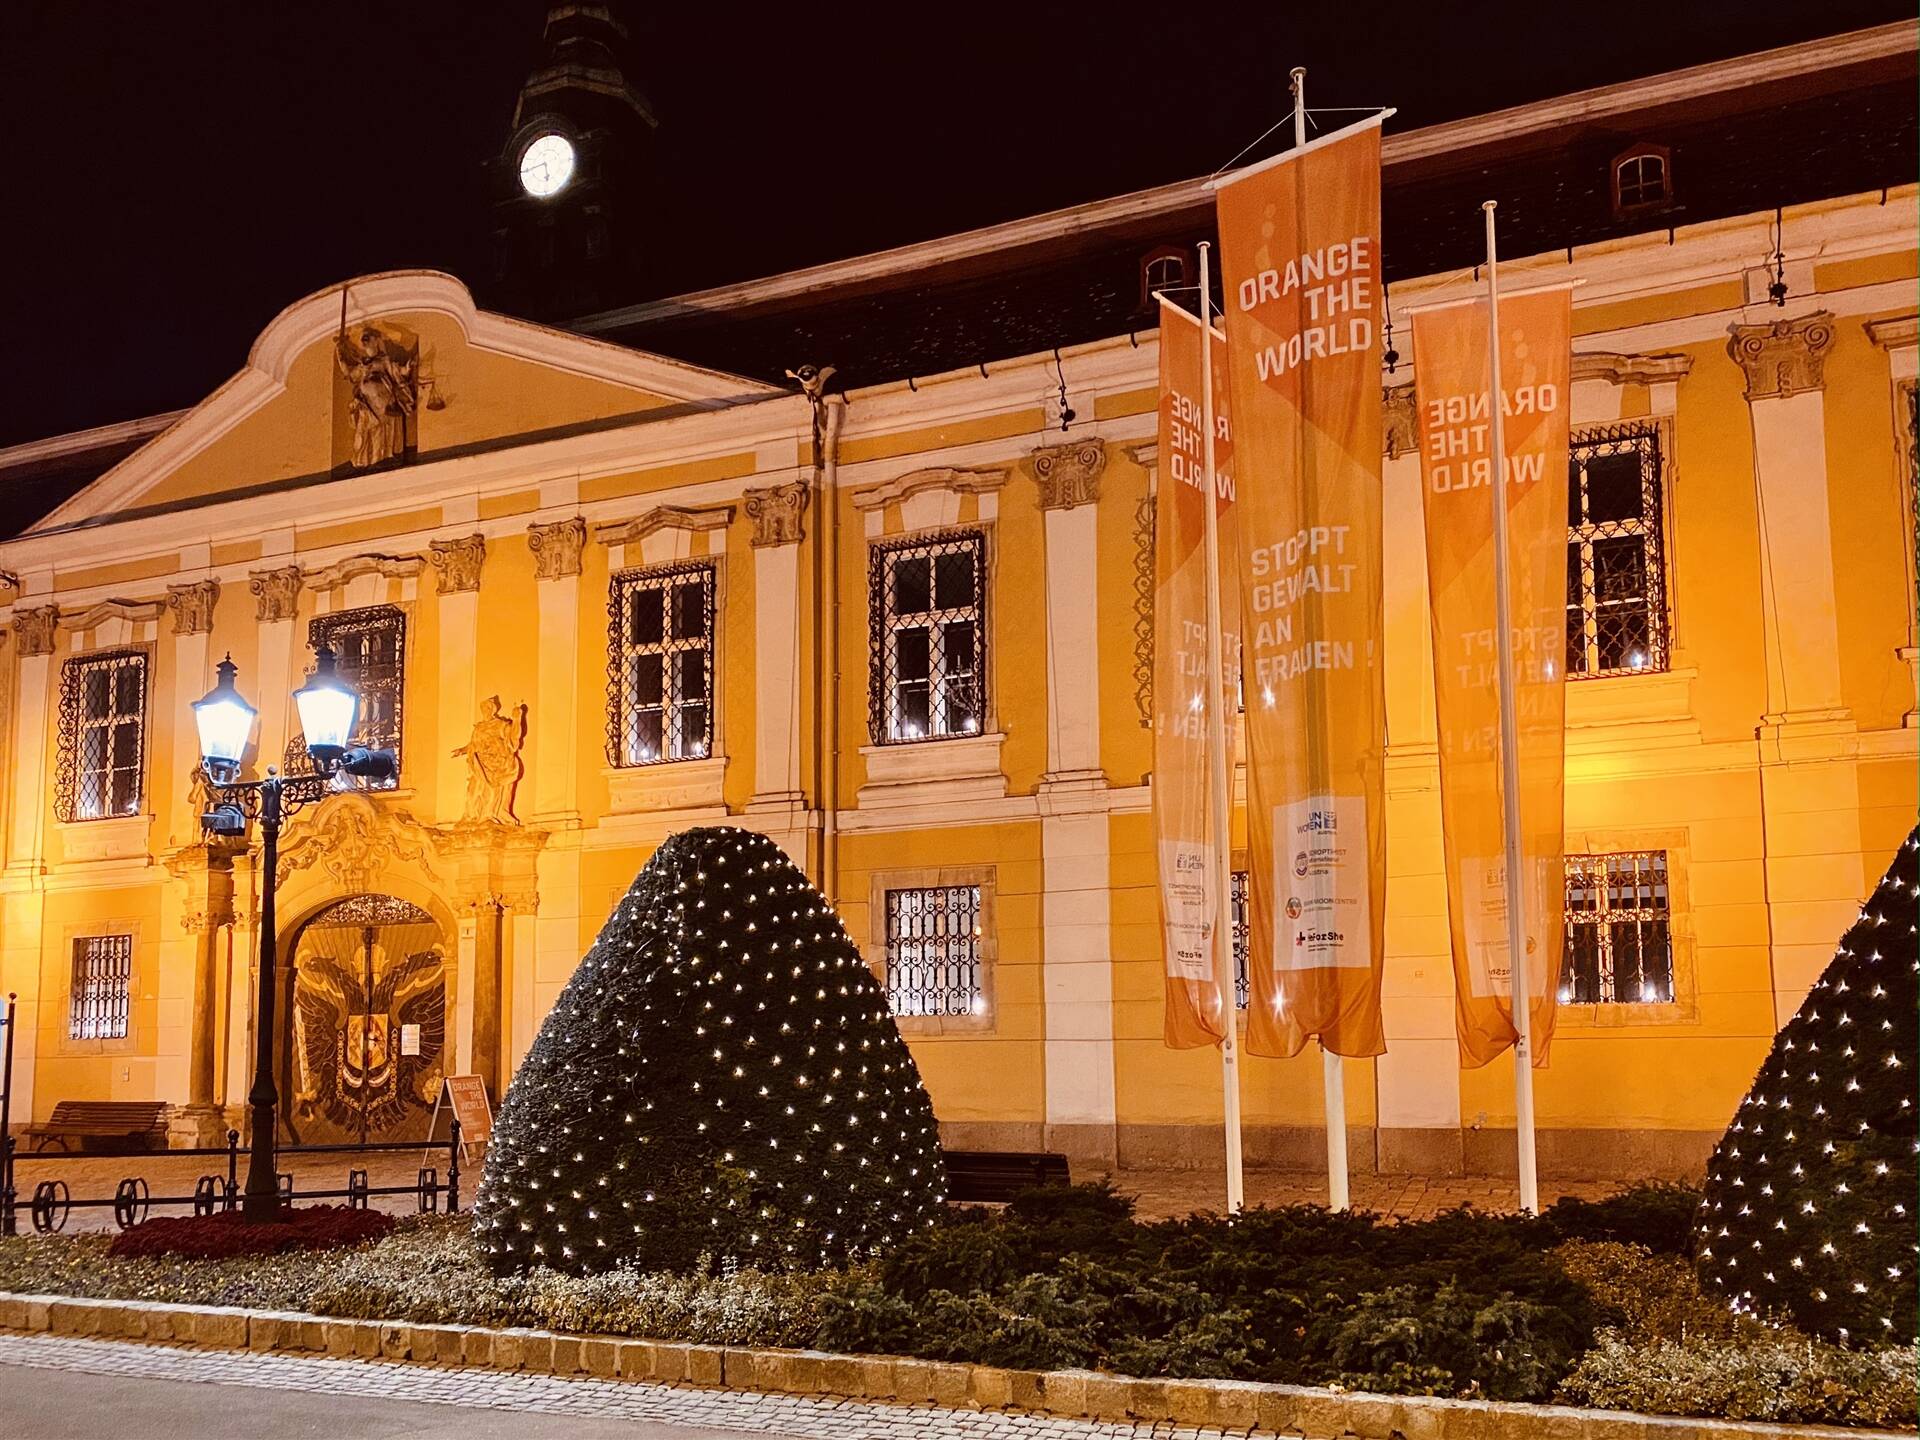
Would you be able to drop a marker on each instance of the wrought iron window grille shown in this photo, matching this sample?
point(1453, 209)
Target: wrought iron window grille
point(102, 995)
point(1616, 551)
point(660, 664)
point(1619, 937)
point(927, 603)
point(933, 951)
point(103, 736)
point(370, 654)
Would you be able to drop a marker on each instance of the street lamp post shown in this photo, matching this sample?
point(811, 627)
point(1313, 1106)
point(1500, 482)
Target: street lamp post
point(328, 708)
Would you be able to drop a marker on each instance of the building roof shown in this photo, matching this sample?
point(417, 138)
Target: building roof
point(1783, 127)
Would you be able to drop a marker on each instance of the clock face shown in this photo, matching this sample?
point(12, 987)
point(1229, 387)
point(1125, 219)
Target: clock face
point(546, 165)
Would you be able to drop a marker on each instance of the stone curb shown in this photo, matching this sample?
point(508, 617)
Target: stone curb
point(1230, 1404)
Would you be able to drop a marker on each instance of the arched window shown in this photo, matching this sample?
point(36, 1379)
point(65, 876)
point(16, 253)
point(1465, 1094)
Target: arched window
point(1642, 179)
point(1162, 269)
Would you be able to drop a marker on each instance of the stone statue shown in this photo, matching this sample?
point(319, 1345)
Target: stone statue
point(493, 762)
point(381, 376)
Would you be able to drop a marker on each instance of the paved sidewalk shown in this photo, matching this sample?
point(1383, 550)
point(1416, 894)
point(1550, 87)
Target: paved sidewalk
point(585, 1409)
point(1161, 1193)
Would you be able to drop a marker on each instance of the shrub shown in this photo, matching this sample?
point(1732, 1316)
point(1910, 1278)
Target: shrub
point(228, 1234)
point(1777, 1376)
point(721, 1078)
point(1462, 1304)
point(1658, 1215)
point(1655, 1297)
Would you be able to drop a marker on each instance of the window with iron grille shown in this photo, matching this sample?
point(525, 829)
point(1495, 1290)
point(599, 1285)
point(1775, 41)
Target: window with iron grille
point(933, 951)
point(929, 611)
point(102, 987)
point(1619, 946)
point(1242, 930)
point(103, 715)
point(1616, 551)
point(660, 665)
point(370, 654)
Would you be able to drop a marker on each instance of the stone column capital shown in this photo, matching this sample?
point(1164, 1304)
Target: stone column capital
point(556, 547)
point(276, 593)
point(192, 606)
point(457, 563)
point(777, 511)
point(1069, 474)
point(34, 629)
point(1783, 358)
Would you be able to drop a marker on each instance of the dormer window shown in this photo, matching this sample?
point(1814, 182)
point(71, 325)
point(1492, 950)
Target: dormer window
point(1162, 269)
point(1642, 180)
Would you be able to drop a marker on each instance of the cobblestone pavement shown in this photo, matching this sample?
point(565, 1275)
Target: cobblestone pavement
point(1161, 1193)
point(794, 1417)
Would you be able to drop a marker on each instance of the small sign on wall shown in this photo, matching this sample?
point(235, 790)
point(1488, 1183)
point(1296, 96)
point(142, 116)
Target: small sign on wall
point(409, 1039)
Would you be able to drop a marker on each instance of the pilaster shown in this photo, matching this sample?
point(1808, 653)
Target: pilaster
point(779, 803)
point(1076, 920)
point(557, 550)
point(494, 869)
point(1809, 781)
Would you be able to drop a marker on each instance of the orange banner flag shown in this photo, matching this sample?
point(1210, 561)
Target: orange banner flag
point(1300, 240)
point(1451, 379)
point(1184, 842)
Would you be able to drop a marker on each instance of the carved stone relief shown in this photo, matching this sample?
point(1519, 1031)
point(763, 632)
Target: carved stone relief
point(192, 605)
point(276, 593)
point(457, 562)
point(33, 630)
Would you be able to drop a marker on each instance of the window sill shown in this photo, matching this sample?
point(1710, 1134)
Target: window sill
point(1618, 1015)
point(919, 772)
point(934, 1026)
point(665, 785)
point(120, 838)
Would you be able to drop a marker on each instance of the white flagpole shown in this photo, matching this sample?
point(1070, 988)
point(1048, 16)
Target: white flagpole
point(1510, 757)
point(1219, 796)
point(1333, 1077)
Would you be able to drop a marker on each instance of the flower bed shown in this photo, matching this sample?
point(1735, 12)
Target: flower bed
point(1466, 1304)
point(227, 1235)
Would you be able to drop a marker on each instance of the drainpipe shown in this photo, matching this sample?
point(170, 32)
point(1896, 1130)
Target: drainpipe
point(828, 414)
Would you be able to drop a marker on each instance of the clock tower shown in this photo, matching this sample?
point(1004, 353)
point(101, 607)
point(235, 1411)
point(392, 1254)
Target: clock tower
point(572, 182)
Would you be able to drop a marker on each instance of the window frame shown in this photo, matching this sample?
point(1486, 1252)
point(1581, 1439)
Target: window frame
point(1623, 207)
point(1159, 255)
point(74, 724)
point(664, 578)
point(982, 878)
point(1652, 434)
point(883, 705)
point(1649, 869)
point(324, 629)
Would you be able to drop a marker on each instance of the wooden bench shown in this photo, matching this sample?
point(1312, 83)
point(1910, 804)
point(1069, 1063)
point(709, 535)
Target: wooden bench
point(135, 1124)
point(994, 1175)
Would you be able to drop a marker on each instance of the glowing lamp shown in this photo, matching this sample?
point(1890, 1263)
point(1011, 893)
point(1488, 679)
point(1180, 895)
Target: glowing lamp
point(225, 722)
point(328, 709)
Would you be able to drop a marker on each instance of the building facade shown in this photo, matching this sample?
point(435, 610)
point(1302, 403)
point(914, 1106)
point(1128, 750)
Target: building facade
point(594, 594)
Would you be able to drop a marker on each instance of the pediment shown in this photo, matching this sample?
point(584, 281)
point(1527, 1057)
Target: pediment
point(473, 378)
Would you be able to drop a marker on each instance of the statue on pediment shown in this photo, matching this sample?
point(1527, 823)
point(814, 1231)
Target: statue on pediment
point(383, 386)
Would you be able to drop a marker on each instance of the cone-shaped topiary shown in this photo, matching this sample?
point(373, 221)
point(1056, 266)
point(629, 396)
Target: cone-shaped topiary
point(721, 1077)
point(1809, 1205)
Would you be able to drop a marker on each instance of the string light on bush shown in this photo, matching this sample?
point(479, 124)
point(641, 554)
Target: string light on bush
point(684, 1000)
point(1805, 1215)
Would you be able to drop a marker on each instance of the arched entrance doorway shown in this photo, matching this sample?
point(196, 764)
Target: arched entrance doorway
point(366, 1031)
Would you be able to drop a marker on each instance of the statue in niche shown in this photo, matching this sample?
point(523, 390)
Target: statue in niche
point(493, 762)
point(383, 383)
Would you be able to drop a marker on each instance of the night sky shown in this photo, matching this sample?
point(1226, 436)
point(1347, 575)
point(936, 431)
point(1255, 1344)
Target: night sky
point(183, 171)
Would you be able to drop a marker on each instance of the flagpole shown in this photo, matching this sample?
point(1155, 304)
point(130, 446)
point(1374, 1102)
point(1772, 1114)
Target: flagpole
point(1510, 756)
point(1333, 1077)
point(1219, 796)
